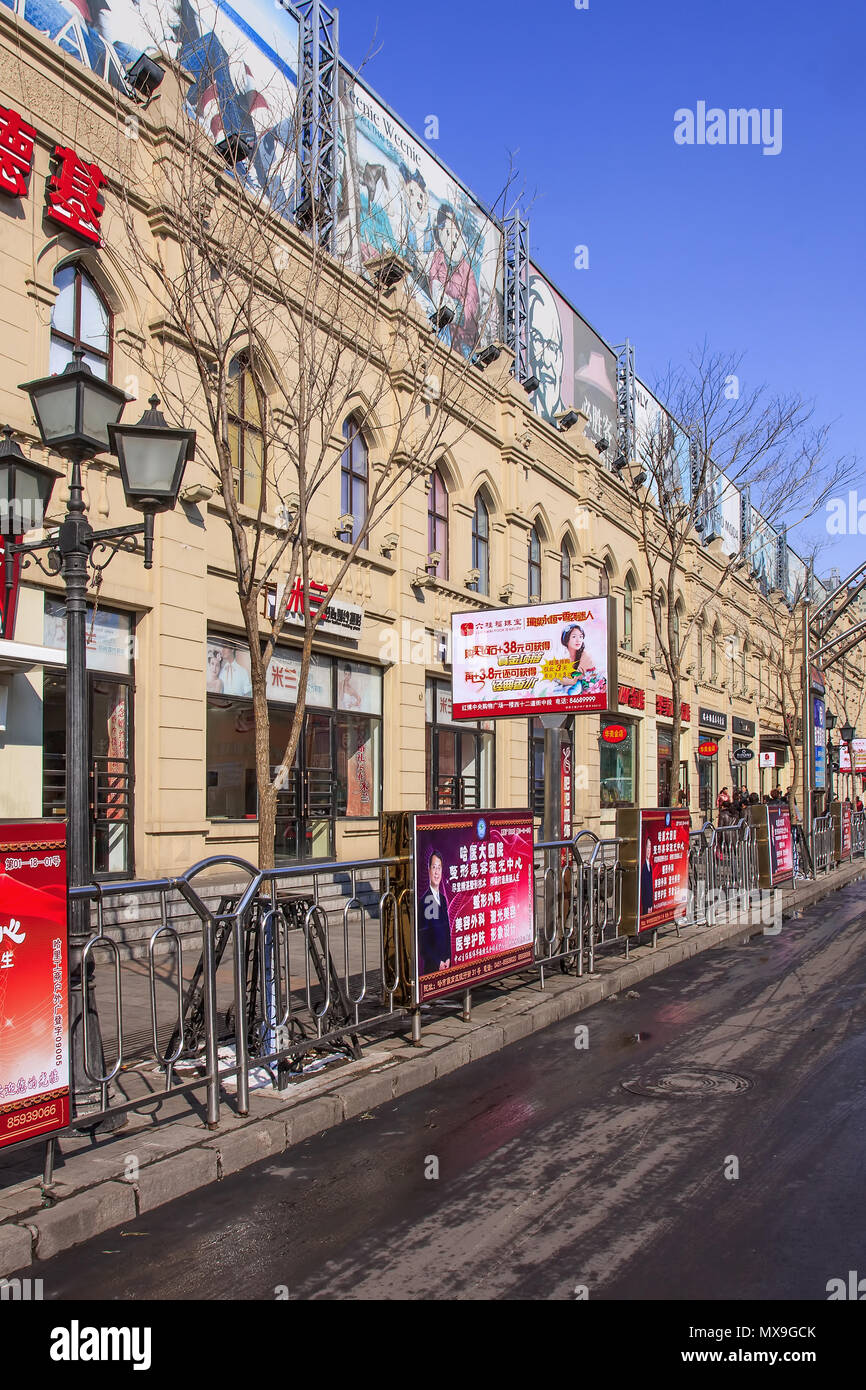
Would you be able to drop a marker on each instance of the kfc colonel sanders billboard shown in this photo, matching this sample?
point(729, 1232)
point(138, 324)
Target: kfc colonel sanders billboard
point(550, 658)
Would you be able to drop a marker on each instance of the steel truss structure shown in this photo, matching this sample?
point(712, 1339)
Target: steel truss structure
point(517, 293)
point(318, 104)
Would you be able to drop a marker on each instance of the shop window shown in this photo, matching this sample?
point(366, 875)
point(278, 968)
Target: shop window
point(354, 477)
point(534, 564)
point(80, 318)
point(437, 523)
point(458, 756)
point(481, 545)
point(246, 402)
point(618, 766)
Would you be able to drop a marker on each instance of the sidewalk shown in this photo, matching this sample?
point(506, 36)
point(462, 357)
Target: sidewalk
point(169, 1152)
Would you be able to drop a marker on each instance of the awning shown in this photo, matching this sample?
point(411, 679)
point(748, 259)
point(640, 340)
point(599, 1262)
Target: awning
point(19, 657)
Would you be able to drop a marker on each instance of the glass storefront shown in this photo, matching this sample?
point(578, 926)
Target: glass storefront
point(665, 759)
point(618, 763)
point(458, 756)
point(337, 772)
point(110, 692)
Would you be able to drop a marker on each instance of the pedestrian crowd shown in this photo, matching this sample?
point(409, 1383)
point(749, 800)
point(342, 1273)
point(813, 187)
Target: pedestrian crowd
point(732, 810)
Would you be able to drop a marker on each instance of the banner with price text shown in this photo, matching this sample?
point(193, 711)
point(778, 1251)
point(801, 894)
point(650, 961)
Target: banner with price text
point(34, 1006)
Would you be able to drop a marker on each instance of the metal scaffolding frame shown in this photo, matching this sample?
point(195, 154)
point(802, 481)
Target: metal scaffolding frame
point(517, 293)
point(318, 104)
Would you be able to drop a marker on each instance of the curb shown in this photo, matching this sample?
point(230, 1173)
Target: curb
point(34, 1234)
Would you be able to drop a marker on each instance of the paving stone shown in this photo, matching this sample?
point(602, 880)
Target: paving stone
point(247, 1146)
point(174, 1177)
point(15, 1249)
point(78, 1218)
point(313, 1117)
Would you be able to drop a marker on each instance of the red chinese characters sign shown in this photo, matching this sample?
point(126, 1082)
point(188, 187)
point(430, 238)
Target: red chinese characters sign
point(16, 152)
point(74, 190)
point(566, 793)
point(630, 695)
point(34, 1010)
point(665, 706)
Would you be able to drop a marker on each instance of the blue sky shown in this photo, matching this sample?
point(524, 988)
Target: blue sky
point(758, 253)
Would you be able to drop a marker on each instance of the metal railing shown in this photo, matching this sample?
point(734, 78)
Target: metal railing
point(562, 893)
point(858, 834)
point(308, 969)
point(734, 859)
point(700, 874)
point(823, 847)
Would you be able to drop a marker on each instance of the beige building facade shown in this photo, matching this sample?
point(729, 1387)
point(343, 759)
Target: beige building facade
point(516, 511)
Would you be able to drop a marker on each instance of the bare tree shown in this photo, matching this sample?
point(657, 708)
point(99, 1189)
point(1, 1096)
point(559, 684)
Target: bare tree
point(712, 429)
point(326, 339)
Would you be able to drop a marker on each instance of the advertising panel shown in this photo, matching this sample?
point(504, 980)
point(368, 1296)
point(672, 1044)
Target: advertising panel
point(549, 658)
point(655, 856)
point(781, 841)
point(474, 898)
point(244, 65)
point(576, 368)
point(394, 197)
point(228, 673)
point(661, 446)
point(859, 756)
point(763, 551)
point(108, 636)
point(34, 1007)
point(820, 744)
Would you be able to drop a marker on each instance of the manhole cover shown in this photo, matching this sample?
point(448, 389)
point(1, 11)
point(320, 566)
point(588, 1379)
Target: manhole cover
point(693, 1083)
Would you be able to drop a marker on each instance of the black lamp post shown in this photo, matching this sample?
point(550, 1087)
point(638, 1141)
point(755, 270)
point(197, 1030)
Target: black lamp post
point(77, 414)
point(847, 734)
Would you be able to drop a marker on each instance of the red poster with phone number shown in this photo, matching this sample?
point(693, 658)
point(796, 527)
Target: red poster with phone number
point(34, 1006)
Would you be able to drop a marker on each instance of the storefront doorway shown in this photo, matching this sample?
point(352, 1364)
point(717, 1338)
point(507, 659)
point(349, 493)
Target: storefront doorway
point(459, 757)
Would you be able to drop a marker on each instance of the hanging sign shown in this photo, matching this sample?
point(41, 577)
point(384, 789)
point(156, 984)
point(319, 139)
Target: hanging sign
point(614, 733)
point(708, 749)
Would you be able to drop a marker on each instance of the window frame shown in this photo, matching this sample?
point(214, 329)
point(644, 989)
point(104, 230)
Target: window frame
point(534, 568)
point(80, 273)
point(438, 522)
point(352, 479)
point(481, 545)
point(246, 427)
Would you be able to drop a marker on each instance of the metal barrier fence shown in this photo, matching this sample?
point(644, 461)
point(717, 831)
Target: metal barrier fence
point(306, 971)
point(823, 846)
point(578, 886)
point(303, 958)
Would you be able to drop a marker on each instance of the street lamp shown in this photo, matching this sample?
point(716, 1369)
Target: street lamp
point(77, 414)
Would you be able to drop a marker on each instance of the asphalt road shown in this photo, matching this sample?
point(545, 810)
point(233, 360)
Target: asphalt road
point(553, 1175)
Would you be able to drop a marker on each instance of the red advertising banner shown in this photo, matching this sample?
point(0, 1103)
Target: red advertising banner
point(566, 795)
point(781, 844)
point(34, 1007)
point(846, 830)
point(547, 659)
point(474, 902)
point(664, 866)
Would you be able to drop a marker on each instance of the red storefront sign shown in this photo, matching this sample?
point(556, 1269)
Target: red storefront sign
point(631, 696)
point(74, 190)
point(614, 733)
point(708, 749)
point(665, 706)
point(34, 1008)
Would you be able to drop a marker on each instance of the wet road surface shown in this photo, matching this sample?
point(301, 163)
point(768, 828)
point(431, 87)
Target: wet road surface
point(718, 1156)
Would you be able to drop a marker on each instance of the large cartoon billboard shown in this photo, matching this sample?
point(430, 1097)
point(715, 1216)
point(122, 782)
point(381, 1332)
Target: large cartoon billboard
point(395, 198)
point(244, 62)
point(575, 368)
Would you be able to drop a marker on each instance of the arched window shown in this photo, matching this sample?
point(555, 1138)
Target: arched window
point(628, 614)
point(699, 647)
point(246, 438)
point(714, 654)
point(437, 523)
point(481, 545)
point(660, 626)
point(604, 580)
point(534, 564)
point(80, 318)
point(565, 565)
point(354, 474)
point(744, 667)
